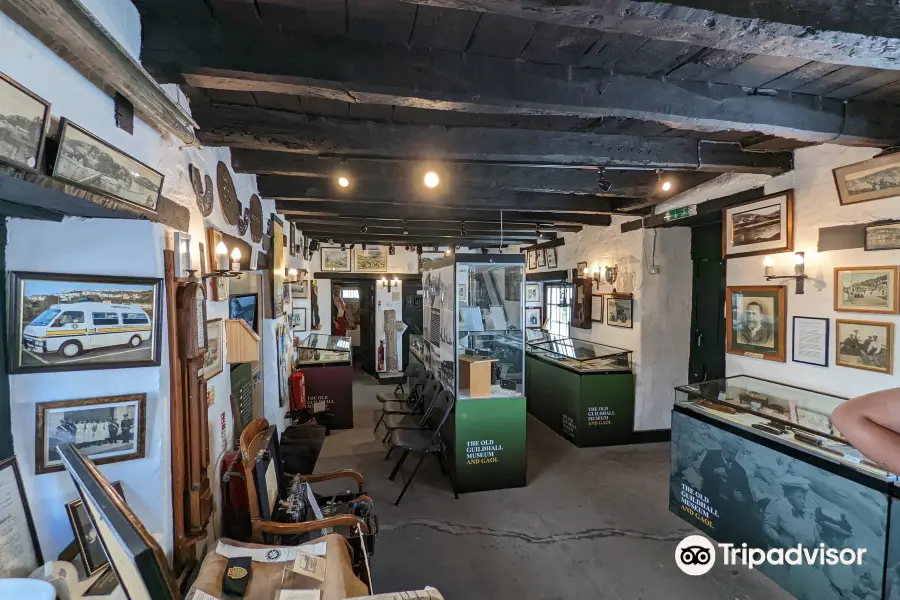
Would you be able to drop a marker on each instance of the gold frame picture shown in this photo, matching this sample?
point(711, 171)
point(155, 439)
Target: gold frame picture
point(763, 226)
point(867, 290)
point(761, 332)
point(853, 348)
point(868, 180)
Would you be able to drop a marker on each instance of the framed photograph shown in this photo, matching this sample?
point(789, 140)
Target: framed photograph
point(541, 258)
point(298, 318)
point(867, 290)
point(597, 308)
point(106, 430)
point(885, 236)
point(23, 125)
point(92, 554)
point(532, 260)
point(581, 267)
point(299, 290)
point(79, 322)
point(811, 341)
point(335, 260)
point(532, 292)
point(620, 311)
point(871, 179)
point(371, 260)
point(277, 266)
point(755, 321)
point(582, 289)
point(89, 162)
point(213, 362)
point(763, 226)
point(865, 345)
point(533, 317)
point(18, 536)
point(551, 257)
point(462, 292)
point(427, 257)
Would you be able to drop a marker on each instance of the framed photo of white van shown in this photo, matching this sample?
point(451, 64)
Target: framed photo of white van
point(60, 322)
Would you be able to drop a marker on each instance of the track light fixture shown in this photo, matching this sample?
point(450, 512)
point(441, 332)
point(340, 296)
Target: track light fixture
point(330, 240)
point(352, 246)
point(406, 247)
point(343, 182)
point(484, 250)
point(666, 184)
point(462, 229)
point(405, 228)
point(343, 247)
point(419, 250)
point(602, 182)
point(391, 250)
point(364, 229)
point(363, 246)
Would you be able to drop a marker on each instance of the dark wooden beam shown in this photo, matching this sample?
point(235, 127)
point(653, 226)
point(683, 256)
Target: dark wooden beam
point(510, 177)
point(250, 127)
point(820, 30)
point(324, 209)
point(280, 187)
point(413, 238)
point(543, 245)
point(372, 73)
point(396, 226)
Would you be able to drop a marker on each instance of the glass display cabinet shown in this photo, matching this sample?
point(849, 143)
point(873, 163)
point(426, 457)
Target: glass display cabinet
point(326, 362)
point(582, 390)
point(760, 462)
point(474, 343)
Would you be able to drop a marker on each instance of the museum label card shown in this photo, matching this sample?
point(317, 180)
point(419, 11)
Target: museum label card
point(309, 565)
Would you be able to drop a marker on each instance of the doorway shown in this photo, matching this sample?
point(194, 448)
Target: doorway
point(707, 359)
point(359, 305)
point(412, 314)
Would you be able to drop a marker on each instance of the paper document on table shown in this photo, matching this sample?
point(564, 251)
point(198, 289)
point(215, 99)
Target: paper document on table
point(196, 594)
point(310, 566)
point(429, 593)
point(299, 595)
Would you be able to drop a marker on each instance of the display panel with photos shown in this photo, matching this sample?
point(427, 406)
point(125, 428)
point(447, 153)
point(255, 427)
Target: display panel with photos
point(23, 123)
point(425, 258)
point(88, 161)
point(63, 322)
point(532, 260)
point(867, 290)
point(335, 260)
point(214, 359)
point(532, 293)
point(550, 254)
point(541, 258)
point(89, 546)
point(108, 429)
point(21, 551)
point(866, 345)
point(756, 321)
point(762, 226)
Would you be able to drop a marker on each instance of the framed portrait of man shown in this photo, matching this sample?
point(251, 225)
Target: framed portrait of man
point(755, 318)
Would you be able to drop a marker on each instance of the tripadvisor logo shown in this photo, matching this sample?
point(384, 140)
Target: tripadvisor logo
point(695, 555)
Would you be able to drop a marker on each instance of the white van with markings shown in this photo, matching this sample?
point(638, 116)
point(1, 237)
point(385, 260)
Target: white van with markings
point(70, 329)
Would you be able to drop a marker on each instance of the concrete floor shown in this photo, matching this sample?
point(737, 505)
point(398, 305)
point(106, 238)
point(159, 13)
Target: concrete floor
point(592, 523)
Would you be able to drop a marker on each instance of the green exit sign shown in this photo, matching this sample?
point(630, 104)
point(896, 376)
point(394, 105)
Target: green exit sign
point(680, 213)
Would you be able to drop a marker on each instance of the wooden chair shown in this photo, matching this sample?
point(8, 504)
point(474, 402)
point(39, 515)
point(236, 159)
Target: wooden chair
point(251, 441)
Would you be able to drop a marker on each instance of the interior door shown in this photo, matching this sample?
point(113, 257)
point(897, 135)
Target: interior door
point(707, 360)
point(412, 314)
point(367, 343)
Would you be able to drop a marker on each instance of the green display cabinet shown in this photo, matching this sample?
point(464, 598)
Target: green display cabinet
point(581, 390)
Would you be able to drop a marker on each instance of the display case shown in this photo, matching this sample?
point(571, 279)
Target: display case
point(326, 364)
point(760, 463)
point(474, 343)
point(582, 356)
point(318, 348)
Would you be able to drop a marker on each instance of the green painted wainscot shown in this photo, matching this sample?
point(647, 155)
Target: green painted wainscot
point(581, 390)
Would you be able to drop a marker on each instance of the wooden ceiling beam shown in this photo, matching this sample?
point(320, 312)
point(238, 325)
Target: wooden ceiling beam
point(416, 238)
point(316, 208)
point(510, 177)
point(447, 227)
point(373, 73)
point(249, 127)
point(816, 30)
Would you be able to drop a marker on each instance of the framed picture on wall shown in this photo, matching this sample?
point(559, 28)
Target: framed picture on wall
point(299, 290)
point(532, 293)
point(532, 260)
point(810, 341)
point(276, 266)
point(427, 257)
point(335, 260)
point(23, 119)
point(213, 362)
point(541, 258)
point(106, 430)
point(63, 322)
point(550, 254)
point(298, 318)
point(582, 305)
point(370, 260)
point(763, 226)
point(92, 554)
point(871, 179)
point(597, 308)
point(867, 290)
point(867, 345)
point(89, 162)
point(17, 523)
point(620, 311)
point(533, 317)
point(884, 236)
point(755, 321)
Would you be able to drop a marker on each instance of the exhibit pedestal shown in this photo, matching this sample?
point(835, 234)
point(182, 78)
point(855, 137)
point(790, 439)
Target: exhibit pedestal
point(333, 385)
point(588, 409)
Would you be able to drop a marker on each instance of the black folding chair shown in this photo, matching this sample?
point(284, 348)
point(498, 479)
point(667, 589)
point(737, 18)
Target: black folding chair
point(413, 404)
point(394, 421)
point(423, 442)
point(411, 370)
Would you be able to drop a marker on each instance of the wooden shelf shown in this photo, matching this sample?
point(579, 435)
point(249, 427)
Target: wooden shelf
point(242, 342)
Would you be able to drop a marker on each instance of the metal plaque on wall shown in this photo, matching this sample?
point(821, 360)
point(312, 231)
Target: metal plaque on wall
point(231, 208)
point(203, 190)
point(256, 218)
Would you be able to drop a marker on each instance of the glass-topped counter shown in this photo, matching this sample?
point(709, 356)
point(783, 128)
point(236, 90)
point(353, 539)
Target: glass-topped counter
point(795, 416)
point(318, 348)
point(582, 356)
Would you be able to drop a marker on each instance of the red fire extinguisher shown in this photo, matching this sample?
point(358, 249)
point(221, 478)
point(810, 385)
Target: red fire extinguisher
point(380, 356)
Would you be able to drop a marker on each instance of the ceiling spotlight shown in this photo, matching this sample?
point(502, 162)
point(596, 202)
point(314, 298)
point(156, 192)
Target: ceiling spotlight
point(448, 251)
point(343, 182)
point(431, 179)
point(603, 183)
point(462, 229)
point(363, 246)
point(405, 228)
point(457, 246)
point(330, 240)
point(364, 229)
point(313, 245)
point(352, 246)
point(484, 250)
point(406, 247)
point(391, 250)
point(666, 185)
point(419, 250)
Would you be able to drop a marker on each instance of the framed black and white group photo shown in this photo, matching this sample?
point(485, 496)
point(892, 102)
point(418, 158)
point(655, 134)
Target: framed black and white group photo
point(23, 123)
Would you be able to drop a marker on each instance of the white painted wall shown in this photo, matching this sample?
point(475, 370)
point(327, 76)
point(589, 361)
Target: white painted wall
point(114, 247)
point(658, 300)
point(816, 205)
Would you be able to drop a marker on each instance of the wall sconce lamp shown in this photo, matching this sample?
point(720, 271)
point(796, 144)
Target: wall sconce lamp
point(395, 282)
point(596, 276)
point(222, 266)
point(799, 275)
point(292, 275)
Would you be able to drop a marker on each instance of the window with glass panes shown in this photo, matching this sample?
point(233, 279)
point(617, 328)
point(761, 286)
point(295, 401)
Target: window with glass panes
point(559, 308)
